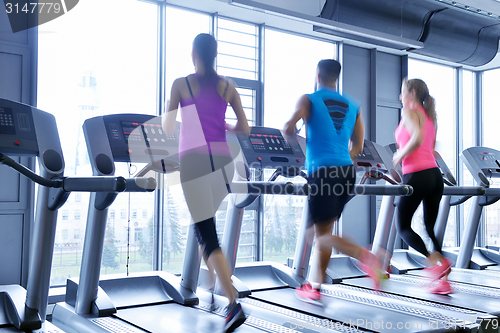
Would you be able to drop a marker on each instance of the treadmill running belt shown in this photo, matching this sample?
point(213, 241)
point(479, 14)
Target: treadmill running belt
point(356, 313)
point(472, 277)
point(175, 318)
point(471, 297)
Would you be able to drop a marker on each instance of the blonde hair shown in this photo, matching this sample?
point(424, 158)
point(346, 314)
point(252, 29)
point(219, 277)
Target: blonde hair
point(422, 94)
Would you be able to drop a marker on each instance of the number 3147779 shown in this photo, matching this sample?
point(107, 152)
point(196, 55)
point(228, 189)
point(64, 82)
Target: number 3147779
point(33, 7)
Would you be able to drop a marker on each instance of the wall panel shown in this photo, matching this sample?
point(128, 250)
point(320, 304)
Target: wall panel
point(17, 82)
point(356, 74)
point(11, 248)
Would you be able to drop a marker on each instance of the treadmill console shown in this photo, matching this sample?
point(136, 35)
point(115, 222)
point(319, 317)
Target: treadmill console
point(369, 157)
point(136, 137)
point(17, 132)
point(376, 157)
point(483, 163)
point(445, 171)
point(267, 148)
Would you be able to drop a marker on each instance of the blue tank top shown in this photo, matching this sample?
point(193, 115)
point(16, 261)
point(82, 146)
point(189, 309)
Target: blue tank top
point(329, 129)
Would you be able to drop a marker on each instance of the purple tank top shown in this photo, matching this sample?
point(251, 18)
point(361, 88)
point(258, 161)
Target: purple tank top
point(203, 129)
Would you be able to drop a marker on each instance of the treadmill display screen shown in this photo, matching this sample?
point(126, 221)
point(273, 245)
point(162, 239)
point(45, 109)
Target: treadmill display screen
point(268, 143)
point(485, 156)
point(131, 132)
point(137, 133)
point(256, 141)
point(7, 121)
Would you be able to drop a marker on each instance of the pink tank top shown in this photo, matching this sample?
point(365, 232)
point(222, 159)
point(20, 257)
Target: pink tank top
point(421, 158)
point(203, 129)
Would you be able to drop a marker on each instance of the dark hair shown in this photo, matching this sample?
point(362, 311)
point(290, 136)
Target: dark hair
point(328, 70)
point(422, 94)
point(205, 47)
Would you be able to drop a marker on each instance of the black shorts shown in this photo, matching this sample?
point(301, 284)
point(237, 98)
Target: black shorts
point(331, 189)
point(206, 234)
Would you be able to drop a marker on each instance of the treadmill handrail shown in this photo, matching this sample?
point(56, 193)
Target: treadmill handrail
point(92, 184)
point(83, 184)
point(368, 189)
point(27, 172)
point(266, 187)
point(492, 191)
point(255, 188)
point(464, 190)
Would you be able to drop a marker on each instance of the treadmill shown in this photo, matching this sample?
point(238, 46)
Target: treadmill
point(32, 132)
point(467, 300)
point(150, 301)
point(404, 261)
point(477, 276)
point(483, 163)
point(272, 286)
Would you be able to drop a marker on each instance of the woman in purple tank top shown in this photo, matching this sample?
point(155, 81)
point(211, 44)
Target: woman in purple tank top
point(416, 138)
point(206, 167)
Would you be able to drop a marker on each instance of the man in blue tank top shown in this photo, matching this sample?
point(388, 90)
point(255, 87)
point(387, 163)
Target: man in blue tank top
point(335, 134)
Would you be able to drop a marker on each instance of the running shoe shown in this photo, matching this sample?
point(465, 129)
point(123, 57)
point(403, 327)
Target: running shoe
point(442, 287)
point(370, 264)
point(235, 317)
point(308, 294)
point(438, 271)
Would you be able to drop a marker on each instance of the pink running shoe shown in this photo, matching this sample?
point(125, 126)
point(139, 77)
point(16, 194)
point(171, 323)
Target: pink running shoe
point(442, 287)
point(370, 264)
point(307, 294)
point(438, 271)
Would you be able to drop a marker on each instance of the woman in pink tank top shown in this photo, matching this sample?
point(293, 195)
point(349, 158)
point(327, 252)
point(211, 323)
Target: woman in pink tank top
point(206, 166)
point(416, 138)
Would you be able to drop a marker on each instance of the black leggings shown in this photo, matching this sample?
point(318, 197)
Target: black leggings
point(427, 188)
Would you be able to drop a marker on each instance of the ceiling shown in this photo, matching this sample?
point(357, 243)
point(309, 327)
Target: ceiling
point(313, 7)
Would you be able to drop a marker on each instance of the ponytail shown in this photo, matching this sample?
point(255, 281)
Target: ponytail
point(429, 105)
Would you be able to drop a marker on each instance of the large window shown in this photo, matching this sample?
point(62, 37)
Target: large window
point(237, 56)
point(182, 27)
point(441, 83)
point(290, 69)
point(238, 59)
point(94, 63)
point(491, 119)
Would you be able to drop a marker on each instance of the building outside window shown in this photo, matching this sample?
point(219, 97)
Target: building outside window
point(491, 119)
point(95, 78)
point(290, 66)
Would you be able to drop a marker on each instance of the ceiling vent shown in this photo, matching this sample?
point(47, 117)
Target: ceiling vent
point(440, 29)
